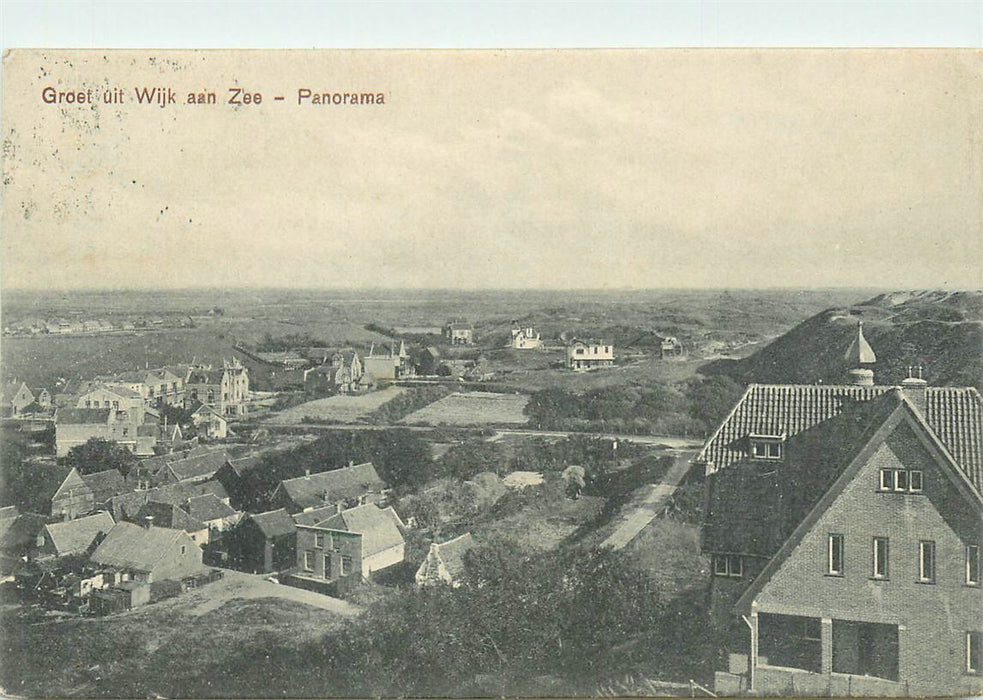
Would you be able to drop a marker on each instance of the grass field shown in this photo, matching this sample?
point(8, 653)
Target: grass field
point(183, 647)
point(341, 408)
point(472, 408)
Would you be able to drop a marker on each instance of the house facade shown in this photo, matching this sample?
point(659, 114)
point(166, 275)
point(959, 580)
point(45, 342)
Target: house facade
point(524, 339)
point(155, 387)
point(589, 354)
point(76, 426)
point(844, 525)
point(226, 390)
point(458, 332)
point(146, 554)
point(210, 423)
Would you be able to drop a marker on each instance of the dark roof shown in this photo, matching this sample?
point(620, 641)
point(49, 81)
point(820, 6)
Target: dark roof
point(954, 414)
point(243, 465)
point(73, 536)
point(82, 416)
point(22, 531)
point(199, 375)
point(201, 466)
point(127, 504)
point(208, 507)
point(167, 515)
point(274, 523)
point(332, 486)
point(377, 526)
point(315, 515)
point(130, 546)
point(105, 484)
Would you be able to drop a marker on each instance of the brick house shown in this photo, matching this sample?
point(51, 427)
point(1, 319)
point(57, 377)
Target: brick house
point(845, 524)
point(352, 543)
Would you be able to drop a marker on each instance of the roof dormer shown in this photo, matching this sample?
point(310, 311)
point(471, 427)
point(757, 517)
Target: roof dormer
point(768, 447)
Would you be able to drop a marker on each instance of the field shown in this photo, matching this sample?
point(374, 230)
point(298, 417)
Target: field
point(473, 408)
point(340, 408)
point(217, 641)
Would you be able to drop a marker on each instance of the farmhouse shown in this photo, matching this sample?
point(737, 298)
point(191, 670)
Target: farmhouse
point(354, 484)
point(589, 354)
point(445, 562)
point(458, 332)
point(74, 536)
point(391, 365)
point(845, 524)
point(145, 553)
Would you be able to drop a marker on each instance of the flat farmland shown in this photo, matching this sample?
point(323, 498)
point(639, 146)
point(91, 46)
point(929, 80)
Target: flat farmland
point(473, 408)
point(341, 408)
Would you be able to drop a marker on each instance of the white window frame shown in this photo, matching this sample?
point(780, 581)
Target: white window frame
point(309, 560)
point(897, 480)
point(830, 569)
point(972, 572)
point(911, 481)
point(974, 642)
point(318, 540)
point(876, 573)
point(926, 564)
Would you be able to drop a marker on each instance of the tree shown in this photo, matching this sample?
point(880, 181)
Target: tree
point(98, 455)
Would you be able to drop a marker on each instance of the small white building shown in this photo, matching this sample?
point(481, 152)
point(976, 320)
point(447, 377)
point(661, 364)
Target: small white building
point(589, 354)
point(525, 339)
point(445, 562)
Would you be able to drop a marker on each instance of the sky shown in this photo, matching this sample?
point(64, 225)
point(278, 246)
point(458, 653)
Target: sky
point(499, 169)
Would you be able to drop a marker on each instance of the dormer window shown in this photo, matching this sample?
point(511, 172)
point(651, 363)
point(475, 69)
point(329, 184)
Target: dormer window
point(767, 446)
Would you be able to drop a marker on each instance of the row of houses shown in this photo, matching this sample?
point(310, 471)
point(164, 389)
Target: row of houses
point(125, 408)
point(66, 326)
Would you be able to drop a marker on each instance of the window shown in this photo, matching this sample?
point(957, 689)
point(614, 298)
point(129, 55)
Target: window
point(901, 480)
point(926, 561)
point(327, 566)
point(974, 652)
point(916, 482)
point(880, 557)
point(329, 541)
point(728, 565)
point(346, 565)
point(308, 560)
point(834, 555)
point(972, 565)
point(580, 351)
point(318, 540)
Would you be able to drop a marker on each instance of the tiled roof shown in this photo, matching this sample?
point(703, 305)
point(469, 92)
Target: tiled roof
point(200, 466)
point(19, 532)
point(274, 523)
point(332, 486)
point(243, 465)
point(105, 484)
point(208, 507)
point(121, 391)
point(451, 553)
point(74, 536)
point(127, 504)
point(130, 546)
point(167, 515)
point(954, 414)
point(377, 526)
point(315, 516)
point(754, 505)
point(82, 416)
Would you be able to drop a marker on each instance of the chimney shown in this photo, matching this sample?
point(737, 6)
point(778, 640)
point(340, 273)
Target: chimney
point(307, 472)
point(351, 463)
point(148, 521)
point(915, 389)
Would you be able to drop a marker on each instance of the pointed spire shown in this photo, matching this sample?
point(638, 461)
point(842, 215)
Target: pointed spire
point(860, 352)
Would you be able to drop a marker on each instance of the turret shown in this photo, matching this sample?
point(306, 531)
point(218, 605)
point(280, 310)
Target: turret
point(857, 356)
